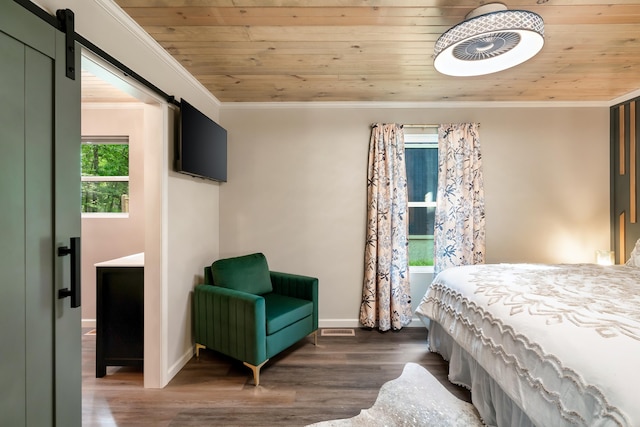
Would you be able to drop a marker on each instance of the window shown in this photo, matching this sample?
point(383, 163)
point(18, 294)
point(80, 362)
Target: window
point(105, 174)
point(421, 156)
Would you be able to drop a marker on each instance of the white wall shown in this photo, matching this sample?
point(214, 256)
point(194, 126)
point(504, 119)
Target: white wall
point(181, 200)
point(547, 184)
point(297, 187)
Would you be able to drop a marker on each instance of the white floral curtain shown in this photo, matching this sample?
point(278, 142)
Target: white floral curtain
point(386, 300)
point(459, 232)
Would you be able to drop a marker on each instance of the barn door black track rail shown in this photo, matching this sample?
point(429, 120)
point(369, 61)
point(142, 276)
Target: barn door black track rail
point(64, 21)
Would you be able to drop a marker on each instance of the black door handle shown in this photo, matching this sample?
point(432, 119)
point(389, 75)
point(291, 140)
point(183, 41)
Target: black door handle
point(74, 292)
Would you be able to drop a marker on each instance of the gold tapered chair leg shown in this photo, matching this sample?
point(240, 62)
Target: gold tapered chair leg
point(315, 337)
point(198, 347)
point(256, 371)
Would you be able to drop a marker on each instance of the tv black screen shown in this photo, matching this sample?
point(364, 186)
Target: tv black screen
point(202, 149)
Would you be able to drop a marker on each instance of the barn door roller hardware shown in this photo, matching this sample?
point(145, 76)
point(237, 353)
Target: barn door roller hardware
point(66, 23)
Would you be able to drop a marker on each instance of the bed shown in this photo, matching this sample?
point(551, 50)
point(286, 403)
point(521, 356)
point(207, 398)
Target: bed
point(544, 345)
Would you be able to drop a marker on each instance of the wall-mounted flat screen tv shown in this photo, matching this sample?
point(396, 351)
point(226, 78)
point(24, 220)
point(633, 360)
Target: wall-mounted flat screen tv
point(202, 145)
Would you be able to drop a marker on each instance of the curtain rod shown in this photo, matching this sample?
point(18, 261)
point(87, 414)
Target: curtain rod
point(415, 126)
point(423, 126)
point(411, 126)
point(420, 126)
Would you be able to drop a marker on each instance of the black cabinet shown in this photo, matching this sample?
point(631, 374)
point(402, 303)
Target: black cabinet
point(120, 317)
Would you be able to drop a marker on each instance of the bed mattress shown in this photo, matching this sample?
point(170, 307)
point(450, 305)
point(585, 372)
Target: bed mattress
point(562, 342)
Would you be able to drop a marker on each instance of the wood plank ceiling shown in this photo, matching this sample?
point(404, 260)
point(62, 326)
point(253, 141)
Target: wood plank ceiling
point(381, 50)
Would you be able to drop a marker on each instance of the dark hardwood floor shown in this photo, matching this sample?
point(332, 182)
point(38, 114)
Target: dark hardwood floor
point(303, 385)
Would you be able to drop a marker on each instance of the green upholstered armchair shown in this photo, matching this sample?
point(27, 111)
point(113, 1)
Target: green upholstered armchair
point(250, 313)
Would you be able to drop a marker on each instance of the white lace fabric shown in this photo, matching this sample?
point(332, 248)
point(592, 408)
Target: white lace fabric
point(561, 341)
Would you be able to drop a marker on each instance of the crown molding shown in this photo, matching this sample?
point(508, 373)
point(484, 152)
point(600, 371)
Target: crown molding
point(398, 105)
point(110, 7)
point(625, 98)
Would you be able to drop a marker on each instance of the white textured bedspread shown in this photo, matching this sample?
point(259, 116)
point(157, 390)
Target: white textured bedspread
point(562, 341)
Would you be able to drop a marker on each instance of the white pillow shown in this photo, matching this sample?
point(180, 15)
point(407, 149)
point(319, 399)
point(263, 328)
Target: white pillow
point(634, 259)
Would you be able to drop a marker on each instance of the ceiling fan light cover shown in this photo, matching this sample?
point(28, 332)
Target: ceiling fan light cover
point(489, 43)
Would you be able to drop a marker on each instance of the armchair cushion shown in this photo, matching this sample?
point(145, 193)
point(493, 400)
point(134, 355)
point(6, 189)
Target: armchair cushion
point(248, 273)
point(282, 311)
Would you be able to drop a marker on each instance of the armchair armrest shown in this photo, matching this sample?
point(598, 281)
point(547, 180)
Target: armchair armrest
point(297, 286)
point(231, 322)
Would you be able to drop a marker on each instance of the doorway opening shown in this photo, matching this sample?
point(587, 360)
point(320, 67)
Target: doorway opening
point(123, 213)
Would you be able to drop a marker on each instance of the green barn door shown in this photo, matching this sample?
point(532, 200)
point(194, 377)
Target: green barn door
point(40, 351)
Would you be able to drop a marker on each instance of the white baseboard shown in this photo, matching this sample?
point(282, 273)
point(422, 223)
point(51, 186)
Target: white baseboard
point(338, 323)
point(355, 323)
point(323, 323)
point(173, 370)
point(182, 361)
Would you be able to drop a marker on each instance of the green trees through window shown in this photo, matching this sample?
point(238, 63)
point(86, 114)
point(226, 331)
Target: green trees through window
point(105, 174)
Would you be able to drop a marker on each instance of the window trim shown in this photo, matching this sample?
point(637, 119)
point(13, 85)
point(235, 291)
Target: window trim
point(420, 269)
point(422, 204)
point(422, 140)
point(105, 139)
point(98, 178)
